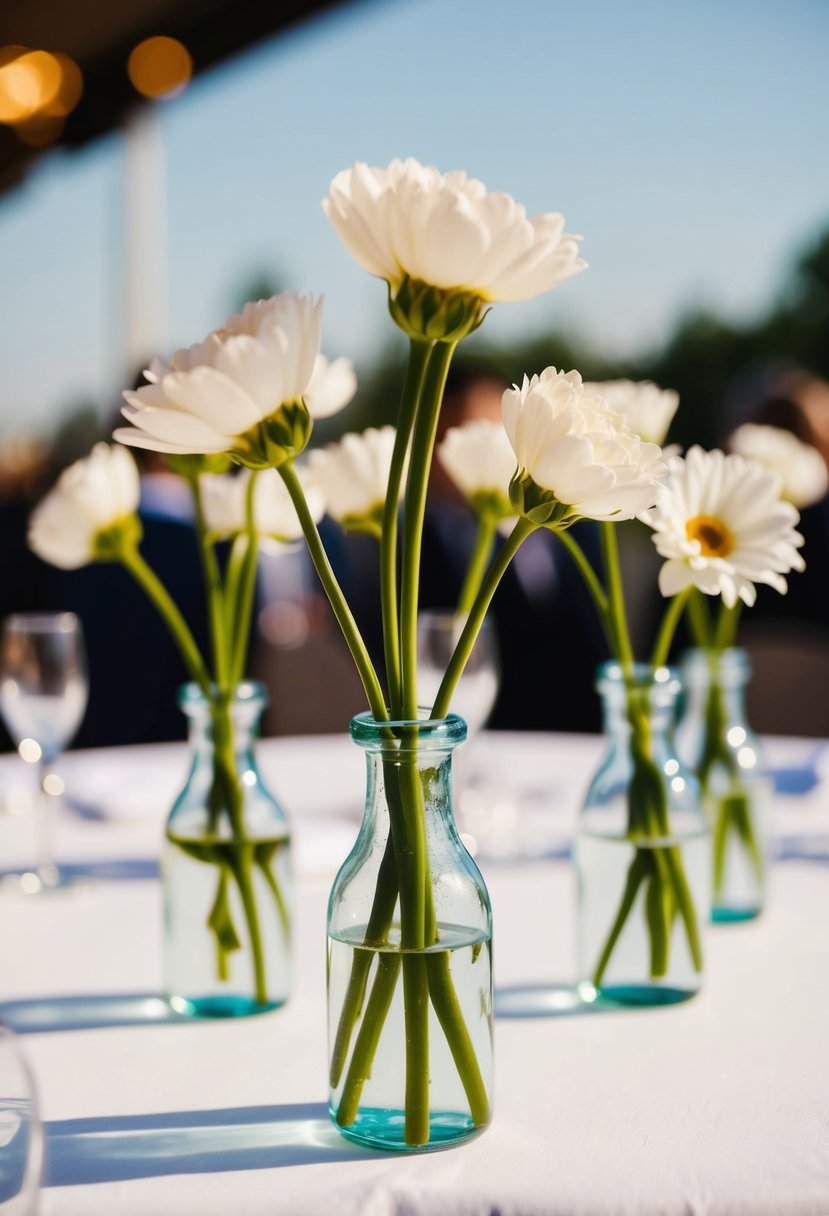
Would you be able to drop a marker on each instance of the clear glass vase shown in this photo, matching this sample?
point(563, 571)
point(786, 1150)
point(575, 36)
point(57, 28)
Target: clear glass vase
point(409, 953)
point(716, 741)
point(642, 851)
point(226, 869)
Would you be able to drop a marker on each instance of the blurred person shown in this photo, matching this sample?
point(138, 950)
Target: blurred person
point(787, 636)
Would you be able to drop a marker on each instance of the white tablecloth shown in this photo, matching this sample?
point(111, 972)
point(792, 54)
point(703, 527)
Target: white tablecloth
point(718, 1106)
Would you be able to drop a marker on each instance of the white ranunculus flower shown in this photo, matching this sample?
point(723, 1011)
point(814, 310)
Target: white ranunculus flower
point(94, 496)
point(213, 397)
point(576, 451)
point(224, 499)
point(648, 409)
point(332, 385)
point(722, 526)
point(409, 222)
point(354, 475)
point(805, 478)
point(479, 458)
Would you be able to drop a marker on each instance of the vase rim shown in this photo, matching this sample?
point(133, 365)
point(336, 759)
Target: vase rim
point(612, 674)
point(368, 731)
point(246, 692)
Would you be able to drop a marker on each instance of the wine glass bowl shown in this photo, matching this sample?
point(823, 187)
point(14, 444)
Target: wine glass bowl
point(43, 695)
point(437, 635)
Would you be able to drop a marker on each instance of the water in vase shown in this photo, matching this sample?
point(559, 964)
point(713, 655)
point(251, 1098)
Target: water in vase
point(603, 863)
point(378, 1118)
point(227, 939)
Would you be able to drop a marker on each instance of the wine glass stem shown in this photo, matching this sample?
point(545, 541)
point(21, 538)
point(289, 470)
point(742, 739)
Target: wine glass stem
point(47, 870)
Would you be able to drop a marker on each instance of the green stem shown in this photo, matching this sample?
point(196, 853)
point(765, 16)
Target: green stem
point(591, 580)
point(241, 619)
point(450, 1015)
point(727, 624)
point(230, 796)
point(213, 590)
point(487, 530)
point(343, 613)
point(423, 443)
point(419, 352)
point(616, 595)
point(368, 1038)
point(699, 619)
point(477, 613)
point(667, 629)
point(175, 622)
point(377, 929)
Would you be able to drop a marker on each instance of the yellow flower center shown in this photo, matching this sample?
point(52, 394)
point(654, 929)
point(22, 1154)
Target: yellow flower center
point(715, 539)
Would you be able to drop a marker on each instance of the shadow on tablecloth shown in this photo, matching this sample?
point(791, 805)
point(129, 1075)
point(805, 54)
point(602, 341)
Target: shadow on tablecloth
point(93, 1011)
point(116, 1149)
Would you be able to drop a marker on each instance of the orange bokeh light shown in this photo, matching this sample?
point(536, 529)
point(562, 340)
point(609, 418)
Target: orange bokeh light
point(37, 90)
point(160, 67)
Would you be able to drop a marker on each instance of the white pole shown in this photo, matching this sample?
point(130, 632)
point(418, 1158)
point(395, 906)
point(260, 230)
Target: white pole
point(145, 222)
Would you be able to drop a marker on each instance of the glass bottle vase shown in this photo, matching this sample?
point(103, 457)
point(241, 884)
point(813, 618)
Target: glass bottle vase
point(716, 741)
point(642, 851)
point(226, 869)
point(409, 953)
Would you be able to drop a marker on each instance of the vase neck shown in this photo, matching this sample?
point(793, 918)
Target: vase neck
point(722, 675)
point(224, 722)
point(639, 704)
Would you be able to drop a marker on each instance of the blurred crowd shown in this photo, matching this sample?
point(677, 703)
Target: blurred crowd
point(547, 633)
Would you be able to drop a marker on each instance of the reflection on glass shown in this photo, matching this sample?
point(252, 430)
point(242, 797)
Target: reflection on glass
point(43, 694)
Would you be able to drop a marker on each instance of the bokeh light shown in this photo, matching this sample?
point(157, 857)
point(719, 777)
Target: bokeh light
point(160, 67)
point(37, 90)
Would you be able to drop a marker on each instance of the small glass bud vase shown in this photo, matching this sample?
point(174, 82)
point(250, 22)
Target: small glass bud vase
point(716, 741)
point(409, 953)
point(642, 851)
point(226, 870)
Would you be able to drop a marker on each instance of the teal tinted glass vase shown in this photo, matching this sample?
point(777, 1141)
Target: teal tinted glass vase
point(409, 953)
point(717, 742)
point(226, 870)
point(642, 851)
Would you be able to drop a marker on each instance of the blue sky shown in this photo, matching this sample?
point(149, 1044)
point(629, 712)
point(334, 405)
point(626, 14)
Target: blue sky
point(686, 141)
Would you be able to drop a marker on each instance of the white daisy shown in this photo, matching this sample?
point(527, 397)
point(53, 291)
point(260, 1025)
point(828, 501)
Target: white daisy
point(723, 527)
point(805, 478)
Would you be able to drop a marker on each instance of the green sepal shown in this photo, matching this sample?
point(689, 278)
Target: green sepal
point(109, 543)
point(370, 522)
point(491, 503)
point(435, 313)
point(276, 439)
point(536, 504)
point(193, 466)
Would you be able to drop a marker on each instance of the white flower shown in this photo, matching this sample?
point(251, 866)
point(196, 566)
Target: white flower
point(224, 499)
point(723, 527)
point(577, 450)
point(331, 387)
point(647, 408)
point(479, 458)
point(91, 497)
point(447, 230)
point(354, 474)
point(211, 397)
point(805, 478)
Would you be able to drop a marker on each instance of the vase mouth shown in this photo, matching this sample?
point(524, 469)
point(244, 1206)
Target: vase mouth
point(733, 662)
point(639, 675)
point(406, 734)
point(246, 692)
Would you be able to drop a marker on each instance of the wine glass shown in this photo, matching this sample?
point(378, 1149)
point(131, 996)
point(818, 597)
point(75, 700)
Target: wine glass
point(437, 635)
point(43, 694)
point(21, 1133)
